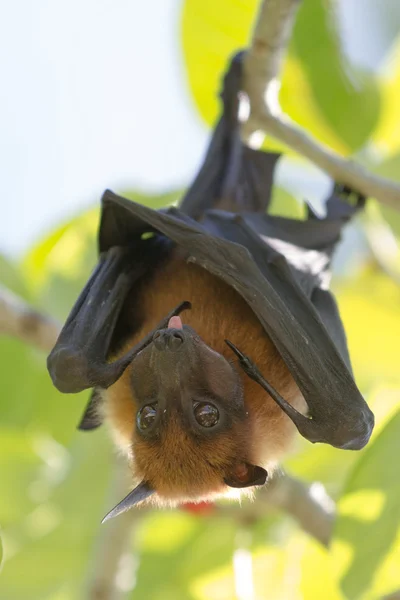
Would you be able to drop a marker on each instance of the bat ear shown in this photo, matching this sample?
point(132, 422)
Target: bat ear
point(246, 475)
point(141, 492)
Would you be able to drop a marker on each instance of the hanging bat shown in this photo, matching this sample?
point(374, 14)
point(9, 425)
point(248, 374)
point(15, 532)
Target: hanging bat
point(208, 332)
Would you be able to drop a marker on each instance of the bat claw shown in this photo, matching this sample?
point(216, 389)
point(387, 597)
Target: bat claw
point(185, 305)
point(247, 365)
point(236, 350)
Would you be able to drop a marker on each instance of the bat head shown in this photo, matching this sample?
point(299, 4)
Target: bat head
point(192, 433)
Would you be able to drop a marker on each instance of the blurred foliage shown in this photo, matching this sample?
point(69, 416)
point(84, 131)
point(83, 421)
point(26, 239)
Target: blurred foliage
point(346, 86)
point(387, 134)
point(371, 501)
point(54, 479)
point(317, 82)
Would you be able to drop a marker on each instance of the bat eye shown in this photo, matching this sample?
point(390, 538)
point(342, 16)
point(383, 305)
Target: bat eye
point(146, 416)
point(207, 415)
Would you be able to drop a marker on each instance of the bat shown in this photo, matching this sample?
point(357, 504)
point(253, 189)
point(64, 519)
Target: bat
point(208, 333)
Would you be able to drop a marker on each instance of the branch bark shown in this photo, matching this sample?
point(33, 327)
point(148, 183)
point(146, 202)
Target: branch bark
point(261, 83)
point(393, 596)
point(19, 319)
point(309, 505)
point(383, 246)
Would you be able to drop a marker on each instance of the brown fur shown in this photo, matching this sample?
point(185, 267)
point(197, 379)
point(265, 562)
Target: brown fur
point(179, 466)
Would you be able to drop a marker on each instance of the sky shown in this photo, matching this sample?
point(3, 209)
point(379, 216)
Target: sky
point(93, 95)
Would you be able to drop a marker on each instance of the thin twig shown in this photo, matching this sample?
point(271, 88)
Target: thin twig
point(309, 505)
point(262, 68)
point(383, 245)
point(264, 58)
point(393, 596)
point(19, 319)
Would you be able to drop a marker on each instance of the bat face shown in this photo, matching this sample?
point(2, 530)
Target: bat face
point(192, 430)
point(179, 373)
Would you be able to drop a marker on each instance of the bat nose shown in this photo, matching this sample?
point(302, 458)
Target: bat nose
point(168, 339)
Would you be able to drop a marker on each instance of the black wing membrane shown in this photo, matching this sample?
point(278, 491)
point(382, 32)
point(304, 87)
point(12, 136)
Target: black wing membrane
point(79, 360)
point(278, 265)
point(338, 413)
point(232, 177)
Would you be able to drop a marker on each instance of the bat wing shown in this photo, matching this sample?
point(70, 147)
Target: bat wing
point(80, 358)
point(325, 304)
point(232, 177)
point(270, 285)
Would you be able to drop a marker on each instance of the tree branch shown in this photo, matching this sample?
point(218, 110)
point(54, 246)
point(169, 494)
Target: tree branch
point(308, 505)
point(261, 83)
point(393, 596)
point(383, 245)
point(19, 319)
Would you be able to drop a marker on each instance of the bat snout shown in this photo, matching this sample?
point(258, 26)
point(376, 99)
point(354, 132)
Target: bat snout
point(169, 340)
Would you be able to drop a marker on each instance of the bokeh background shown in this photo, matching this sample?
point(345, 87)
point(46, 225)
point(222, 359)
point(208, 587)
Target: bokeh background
point(122, 95)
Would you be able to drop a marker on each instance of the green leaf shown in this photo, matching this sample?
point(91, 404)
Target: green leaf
point(11, 277)
point(389, 168)
point(283, 204)
point(1, 554)
point(57, 268)
point(34, 264)
point(198, 548)
point(317, 575)
point(371, 298)
point(54, 539)
point(211, 33)
point(209, 38)
point(31, 400)
point(348, 100)
point(387, 134)
point(18, 470)
point(367, 533)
